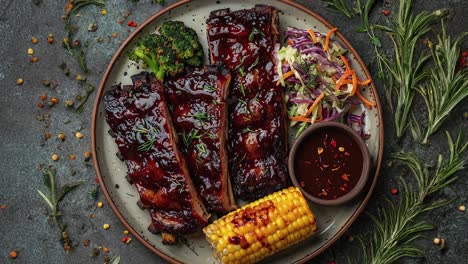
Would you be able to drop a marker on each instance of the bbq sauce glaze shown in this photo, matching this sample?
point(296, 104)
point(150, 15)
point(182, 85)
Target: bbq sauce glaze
point(328, 164)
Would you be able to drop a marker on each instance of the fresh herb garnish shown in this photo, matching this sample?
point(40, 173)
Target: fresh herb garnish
point(241, 71)
point(209, 88)
point(85, 98)
point(397, 226)
point(255, 31)
point(340, 6)
point(201, 116)
point(242, 89)
point(147, 145)
point(447, 87)
point(53, 198)
point(247, 130)
point(150, 135)
point(255, 63)
point(187, 139)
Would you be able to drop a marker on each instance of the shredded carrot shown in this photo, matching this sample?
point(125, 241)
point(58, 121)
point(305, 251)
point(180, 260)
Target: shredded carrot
point(316, 102)
point(319, 115)
point(346, 63)
point(312, 35)
point(355, 83)
point(290, 42)
point(285, 76)
point(366, 82)
point(366, 102)
point(327, 39)
point(342, 80)
point(300, 118)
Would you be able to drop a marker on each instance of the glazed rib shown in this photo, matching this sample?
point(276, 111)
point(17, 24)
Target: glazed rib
point(244, 41)
point(140, 121)
point(199, 112)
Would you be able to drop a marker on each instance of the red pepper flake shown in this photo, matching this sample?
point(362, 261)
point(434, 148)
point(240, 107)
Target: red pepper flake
point(346, 153)
point(345, 177)
point(394, 191)
point(3, 206)
point(342, 189)
point(40, 105)
point(302, 184)
point(43, 97)
point(385, 12)
point(333, 143)
point(125, 239)
point(132, 24)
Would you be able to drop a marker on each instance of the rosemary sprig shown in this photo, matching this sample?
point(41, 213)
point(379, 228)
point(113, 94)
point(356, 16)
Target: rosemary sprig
point(398, 226)
point(150, 135)
point(339, 6)
point(192, 135)
point(89, 90)
point(255, 31)
point(53, 198)
point(406, 68)
point(446, 87)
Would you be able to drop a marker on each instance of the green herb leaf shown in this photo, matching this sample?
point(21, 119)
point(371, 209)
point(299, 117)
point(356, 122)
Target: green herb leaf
point(255, 31)
point(66, 189)
point(339, 6)
point(376, 42)
point(115, 260)
point(209, 88)
point(48, 201)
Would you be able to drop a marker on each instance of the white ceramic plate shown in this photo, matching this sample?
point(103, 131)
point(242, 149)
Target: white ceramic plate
point(332, 220)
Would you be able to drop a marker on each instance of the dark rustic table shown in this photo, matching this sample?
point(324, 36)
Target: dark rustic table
point(23, 225)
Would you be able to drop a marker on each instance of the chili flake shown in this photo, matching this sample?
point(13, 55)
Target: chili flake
point(394, 191)
point(43, 97)
point(72, 157)
point(34, 40)
point(40, 105)
point(132, 24)
point(34, 59)
point(13, 254)
point(385, 12)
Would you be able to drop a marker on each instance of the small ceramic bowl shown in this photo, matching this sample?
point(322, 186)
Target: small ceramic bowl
point(349, 132)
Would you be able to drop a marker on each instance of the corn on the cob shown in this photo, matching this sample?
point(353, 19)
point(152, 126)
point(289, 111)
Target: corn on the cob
point(262, 228)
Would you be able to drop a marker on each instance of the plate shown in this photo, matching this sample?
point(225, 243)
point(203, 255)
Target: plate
point(332, 220)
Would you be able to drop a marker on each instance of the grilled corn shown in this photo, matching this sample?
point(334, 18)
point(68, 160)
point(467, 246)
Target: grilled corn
point(262, 228)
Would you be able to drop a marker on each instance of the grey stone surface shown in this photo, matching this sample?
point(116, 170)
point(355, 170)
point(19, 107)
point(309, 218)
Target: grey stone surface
point(24, 227)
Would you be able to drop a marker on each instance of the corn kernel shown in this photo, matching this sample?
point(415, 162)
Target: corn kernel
point(106, 226)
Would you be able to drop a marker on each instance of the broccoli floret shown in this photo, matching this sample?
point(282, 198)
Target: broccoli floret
point(168, 53)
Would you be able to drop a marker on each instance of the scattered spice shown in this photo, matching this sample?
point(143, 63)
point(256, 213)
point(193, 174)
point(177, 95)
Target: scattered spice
point(126, 240)
point(86, 242)
point(34, 59)
point(43, 97)
point(72, 157)
point(341, 149)
point(79, 135)
point(437, 241)
point(55, 157)
point(125, 232)
point(40, 105)
point(95, 252)
point(69, 103)
point(132, 24)
point(54, 100)
point(106, 226)
point(394, 191)
point(50, 38)
point(61, 136)
point(103, 11)
point(115, 34)
point(92, 27)
point(319, 150)
point(100, 204)
point(461, 208)
point(34, 40)
point(105, 249)
point(92, 216)
point(13, 254)
point(30, 51)
point(385, 12)
point(19, 81)
point(3, 206)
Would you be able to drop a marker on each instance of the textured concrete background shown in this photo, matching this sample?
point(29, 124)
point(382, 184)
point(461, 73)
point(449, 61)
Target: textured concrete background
point(23, 225)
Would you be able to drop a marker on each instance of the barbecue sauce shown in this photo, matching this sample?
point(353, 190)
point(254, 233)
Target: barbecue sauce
point(328, 164)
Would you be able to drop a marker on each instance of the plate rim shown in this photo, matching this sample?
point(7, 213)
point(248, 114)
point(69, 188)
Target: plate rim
point(129, 39)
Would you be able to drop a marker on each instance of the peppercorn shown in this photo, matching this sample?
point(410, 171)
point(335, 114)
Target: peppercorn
point(55, 157)
point(34, 40)
point(69, 103)
point(13, 254)
point(100, 204)
point(79, 135)
point(61, 136)
point(106, 226)
point(30, 51)
point(72, 157)
point(19, 81)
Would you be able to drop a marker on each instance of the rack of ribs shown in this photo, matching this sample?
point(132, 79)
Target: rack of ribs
point(140, 121)
point(198, 107)
point(244, 42)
